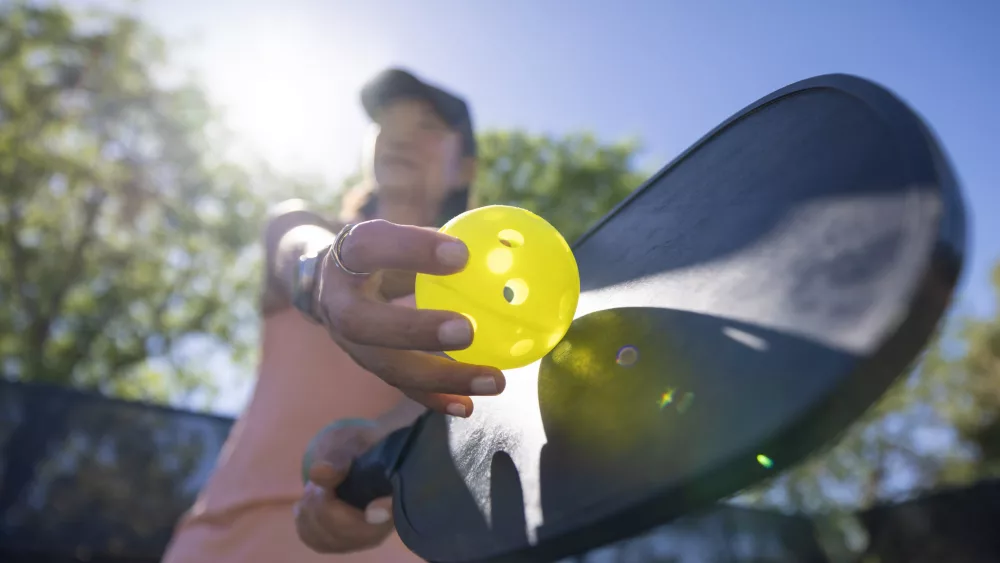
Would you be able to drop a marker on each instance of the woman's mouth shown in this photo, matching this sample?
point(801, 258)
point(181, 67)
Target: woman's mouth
point(394, 161)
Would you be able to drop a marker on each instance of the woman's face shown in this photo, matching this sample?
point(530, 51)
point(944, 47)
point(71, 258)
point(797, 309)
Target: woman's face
point(416, 155)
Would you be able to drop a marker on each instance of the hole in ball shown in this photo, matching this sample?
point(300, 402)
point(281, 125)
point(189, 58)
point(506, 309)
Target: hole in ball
point(510, 238)
point(515, 291)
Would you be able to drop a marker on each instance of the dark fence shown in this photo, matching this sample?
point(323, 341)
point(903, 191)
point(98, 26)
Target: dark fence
point(725, 533)
point(87, 478)
point(91, 479)
point(956, 526)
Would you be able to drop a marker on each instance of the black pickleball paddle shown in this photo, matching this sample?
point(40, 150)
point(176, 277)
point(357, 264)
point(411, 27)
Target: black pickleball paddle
point(739, 309)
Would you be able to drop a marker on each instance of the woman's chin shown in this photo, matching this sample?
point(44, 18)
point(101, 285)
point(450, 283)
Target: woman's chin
point(397, 185)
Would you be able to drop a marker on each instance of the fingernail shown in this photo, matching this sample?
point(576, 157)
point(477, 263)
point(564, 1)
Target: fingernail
point(456, 409)
point(485, 385)
point(452, 254)
point(312, 489)
point(457, 332)
point(376, 516)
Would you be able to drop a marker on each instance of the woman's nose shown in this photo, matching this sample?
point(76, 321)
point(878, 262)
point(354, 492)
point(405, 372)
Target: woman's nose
point(399, 138)
point(400, 143)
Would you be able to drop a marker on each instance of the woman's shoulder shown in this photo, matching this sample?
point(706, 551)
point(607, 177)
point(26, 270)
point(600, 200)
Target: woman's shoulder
point(290, 213)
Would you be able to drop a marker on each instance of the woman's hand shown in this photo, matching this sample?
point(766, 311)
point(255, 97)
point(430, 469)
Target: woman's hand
point(390, 340)
point(325, 523)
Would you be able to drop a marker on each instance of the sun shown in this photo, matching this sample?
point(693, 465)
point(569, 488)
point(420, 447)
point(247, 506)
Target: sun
point(289, 93)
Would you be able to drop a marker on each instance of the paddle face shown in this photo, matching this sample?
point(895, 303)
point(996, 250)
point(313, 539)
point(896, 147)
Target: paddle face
point(740, 309)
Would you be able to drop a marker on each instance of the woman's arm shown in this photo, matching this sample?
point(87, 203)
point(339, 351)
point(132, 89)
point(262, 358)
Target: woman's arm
point(292, 230)
point(388, 339)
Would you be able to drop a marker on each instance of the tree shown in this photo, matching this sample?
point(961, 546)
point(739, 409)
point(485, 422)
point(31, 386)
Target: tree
point(125, 239)
point(571, 181)
point(974, 378)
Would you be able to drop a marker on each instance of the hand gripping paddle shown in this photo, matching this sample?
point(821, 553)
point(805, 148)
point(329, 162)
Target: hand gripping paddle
point(739, 310)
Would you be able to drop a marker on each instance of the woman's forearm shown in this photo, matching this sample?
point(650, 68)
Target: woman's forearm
point(304, 239)
point(292, 232)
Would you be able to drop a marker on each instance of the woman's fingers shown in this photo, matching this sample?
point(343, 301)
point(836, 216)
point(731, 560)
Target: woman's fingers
point(381, 245)
point(310, 532)
point(327, 524)
point(417, 371)
point(427, 373)
point(344, 522)
point(390, 340)
point(455, 405)
point(353, 313)
point(374, 323)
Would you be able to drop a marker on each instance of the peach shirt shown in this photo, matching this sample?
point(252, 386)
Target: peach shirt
point(244, 512)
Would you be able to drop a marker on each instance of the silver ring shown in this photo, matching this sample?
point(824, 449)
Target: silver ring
point(304, 285)
point(338, 246)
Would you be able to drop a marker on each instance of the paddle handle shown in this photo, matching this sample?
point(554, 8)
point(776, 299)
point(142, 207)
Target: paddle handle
point(369, 475)
point(367, 479)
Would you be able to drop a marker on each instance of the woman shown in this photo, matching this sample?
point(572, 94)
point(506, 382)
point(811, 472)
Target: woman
point(341, 340)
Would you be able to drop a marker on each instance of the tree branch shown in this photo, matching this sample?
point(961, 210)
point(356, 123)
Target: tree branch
point(75, 260)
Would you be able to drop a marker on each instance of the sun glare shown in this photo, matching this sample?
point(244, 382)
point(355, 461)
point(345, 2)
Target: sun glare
point(289, 93)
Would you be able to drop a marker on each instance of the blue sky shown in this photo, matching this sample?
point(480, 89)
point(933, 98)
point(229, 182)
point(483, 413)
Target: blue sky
point(287, 71)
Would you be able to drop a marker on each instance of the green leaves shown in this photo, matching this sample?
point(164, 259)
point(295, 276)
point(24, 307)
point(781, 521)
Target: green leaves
point(571, 181)
point(122, 231)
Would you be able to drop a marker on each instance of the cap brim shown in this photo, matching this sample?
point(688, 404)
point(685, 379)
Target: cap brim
point(393, 84)
point(396, 83)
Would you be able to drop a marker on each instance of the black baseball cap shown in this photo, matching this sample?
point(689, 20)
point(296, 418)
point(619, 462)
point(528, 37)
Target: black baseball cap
point(397, 83)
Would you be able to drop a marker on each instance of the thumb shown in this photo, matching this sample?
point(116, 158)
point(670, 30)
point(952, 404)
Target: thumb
point(379, 511)
point(326, 475)
point(330, 453)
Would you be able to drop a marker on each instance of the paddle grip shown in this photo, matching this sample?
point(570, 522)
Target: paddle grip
point(369, 475)
point(367, 479)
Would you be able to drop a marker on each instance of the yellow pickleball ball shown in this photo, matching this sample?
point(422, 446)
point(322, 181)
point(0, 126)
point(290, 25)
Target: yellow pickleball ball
point(519, 289)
